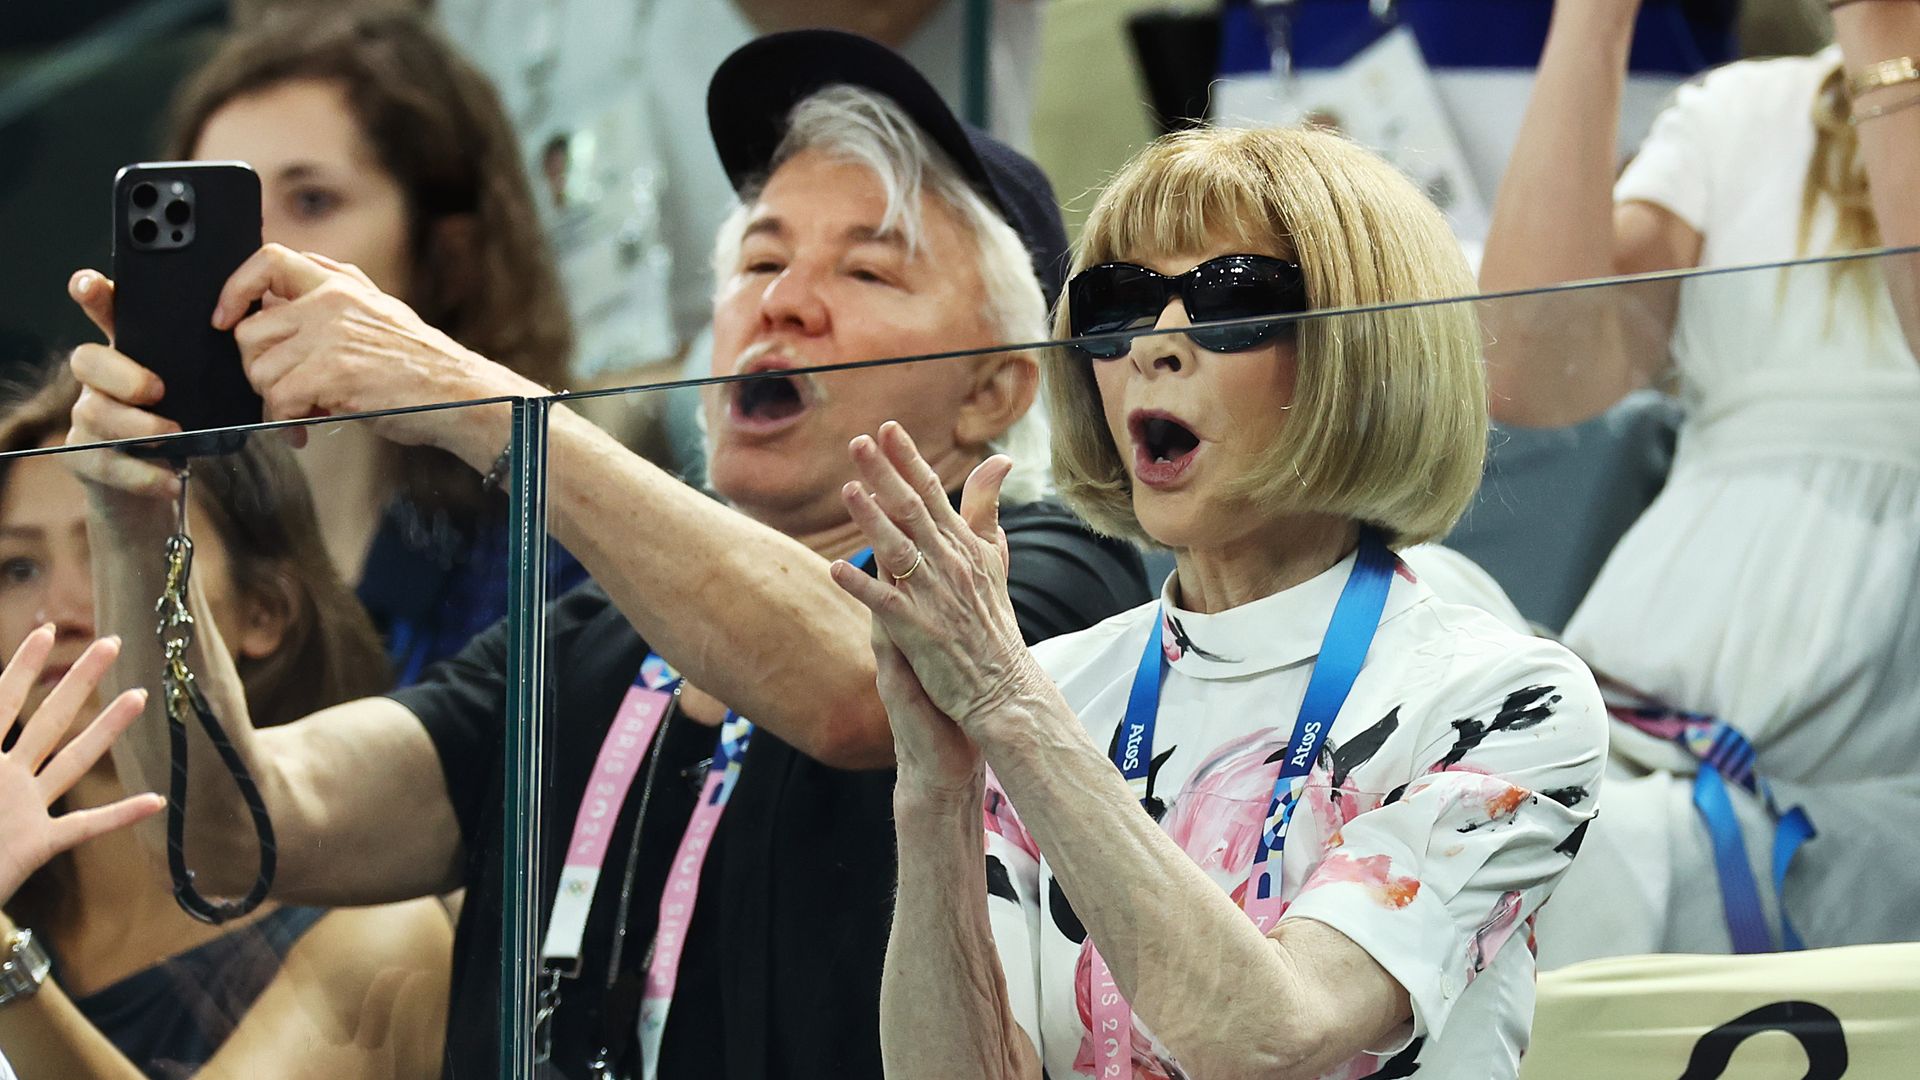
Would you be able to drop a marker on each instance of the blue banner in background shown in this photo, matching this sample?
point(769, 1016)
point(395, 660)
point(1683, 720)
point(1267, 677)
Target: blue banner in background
point(1672, 37)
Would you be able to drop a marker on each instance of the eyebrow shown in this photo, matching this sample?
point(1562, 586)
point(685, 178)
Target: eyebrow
point(22, 530)
point(300, 170)
point(858, 234)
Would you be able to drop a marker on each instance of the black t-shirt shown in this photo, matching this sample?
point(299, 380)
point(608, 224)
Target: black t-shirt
point(780, 976)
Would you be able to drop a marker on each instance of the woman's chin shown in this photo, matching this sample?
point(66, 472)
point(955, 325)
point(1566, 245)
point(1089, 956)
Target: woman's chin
point(1171, 526)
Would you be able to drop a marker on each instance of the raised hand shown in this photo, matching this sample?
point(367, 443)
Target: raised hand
point(941, 591)
point(39, 764)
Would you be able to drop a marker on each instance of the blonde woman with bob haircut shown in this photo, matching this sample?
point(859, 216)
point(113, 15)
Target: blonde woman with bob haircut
point(1294, 819)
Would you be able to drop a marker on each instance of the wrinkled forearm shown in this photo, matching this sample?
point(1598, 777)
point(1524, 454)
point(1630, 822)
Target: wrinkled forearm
point(1226, 999)
point(943, 998)
point(746, 613)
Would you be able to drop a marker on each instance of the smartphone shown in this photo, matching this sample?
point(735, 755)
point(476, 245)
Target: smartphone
point(180, 230)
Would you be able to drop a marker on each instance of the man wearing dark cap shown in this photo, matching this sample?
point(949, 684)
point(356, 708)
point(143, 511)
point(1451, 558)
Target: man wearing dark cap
point(715, 894)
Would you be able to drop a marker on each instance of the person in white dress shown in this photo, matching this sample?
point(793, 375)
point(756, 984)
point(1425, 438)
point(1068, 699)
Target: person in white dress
point(1770, 586)
point(1297, 817)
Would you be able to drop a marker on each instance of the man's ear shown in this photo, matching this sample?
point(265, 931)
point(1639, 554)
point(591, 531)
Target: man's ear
point(1004, 386)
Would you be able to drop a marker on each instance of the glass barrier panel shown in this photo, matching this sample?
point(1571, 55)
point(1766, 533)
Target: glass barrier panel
point(328, 887)
point(730, 888)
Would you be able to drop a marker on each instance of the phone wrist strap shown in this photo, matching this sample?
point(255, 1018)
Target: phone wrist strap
point(182, 696)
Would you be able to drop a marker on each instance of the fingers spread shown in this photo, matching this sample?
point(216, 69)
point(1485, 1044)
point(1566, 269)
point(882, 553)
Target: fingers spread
point(893, 551)
point(21, 673)
point(75, 758)
point(79, 826)
point(51, 721)
point(897, 498)
point(858, 585)
point(905, 458)
point(980, 499)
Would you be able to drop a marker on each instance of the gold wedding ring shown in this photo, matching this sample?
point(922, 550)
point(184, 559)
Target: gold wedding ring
point(918, 558)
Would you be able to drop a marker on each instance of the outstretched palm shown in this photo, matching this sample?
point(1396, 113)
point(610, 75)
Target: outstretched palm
point(35, 769)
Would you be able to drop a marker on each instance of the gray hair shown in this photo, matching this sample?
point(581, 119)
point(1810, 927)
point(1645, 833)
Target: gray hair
point(863, 127)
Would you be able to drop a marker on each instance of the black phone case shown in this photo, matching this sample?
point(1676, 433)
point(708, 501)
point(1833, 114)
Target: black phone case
point(164, 298)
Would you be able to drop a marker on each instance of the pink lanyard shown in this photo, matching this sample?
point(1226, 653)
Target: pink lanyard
point(683, 887)
point(621, 753)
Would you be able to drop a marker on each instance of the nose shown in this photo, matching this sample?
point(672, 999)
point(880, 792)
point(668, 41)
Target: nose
point(793, 302)
point(67, 602)
point(1165, 352)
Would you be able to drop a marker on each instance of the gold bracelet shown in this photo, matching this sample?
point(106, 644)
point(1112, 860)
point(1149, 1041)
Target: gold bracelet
point(1875, 113)
point(1900, 69)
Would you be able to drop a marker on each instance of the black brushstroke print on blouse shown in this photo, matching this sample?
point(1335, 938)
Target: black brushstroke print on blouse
point(1156, 807)
point(1568, 797)
point(1064, 919)
point(1523, 709)
point(999, 882)
point(1345, 757)
point(1571, 845)
point(1186, 644)
point(1402, 1064)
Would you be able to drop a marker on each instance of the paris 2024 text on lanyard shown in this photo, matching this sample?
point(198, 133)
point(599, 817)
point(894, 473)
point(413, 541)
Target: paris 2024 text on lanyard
point(1342, 650)
point(625, 747)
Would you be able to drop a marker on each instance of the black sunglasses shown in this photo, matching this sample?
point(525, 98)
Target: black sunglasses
point(1113, 297)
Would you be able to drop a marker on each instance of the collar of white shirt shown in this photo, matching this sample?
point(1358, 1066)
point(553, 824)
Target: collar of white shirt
point(1269, 633)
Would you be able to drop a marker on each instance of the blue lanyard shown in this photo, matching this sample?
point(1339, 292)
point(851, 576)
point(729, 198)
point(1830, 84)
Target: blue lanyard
point(1342, 650)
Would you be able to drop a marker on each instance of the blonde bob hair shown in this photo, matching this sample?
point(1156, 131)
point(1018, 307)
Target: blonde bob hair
point(1390, 406)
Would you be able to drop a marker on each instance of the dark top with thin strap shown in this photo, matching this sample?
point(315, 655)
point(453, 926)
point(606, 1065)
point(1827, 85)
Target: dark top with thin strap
point(171, 1018)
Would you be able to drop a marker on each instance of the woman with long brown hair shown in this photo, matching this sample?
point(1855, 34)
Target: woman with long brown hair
point(1757, 622)
point(379, 145)
point(138, 988)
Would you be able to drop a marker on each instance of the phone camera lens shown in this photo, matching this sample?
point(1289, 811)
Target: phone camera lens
point(178, 212)
point(145, 195)
point(145, 231)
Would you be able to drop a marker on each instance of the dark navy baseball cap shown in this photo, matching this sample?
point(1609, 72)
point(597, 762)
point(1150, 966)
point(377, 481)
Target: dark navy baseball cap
point(756, 88)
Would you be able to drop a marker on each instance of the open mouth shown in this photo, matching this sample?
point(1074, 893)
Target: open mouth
point(768, 402)
point(1163, 447)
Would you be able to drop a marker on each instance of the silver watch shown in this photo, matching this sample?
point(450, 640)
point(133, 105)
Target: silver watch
point(23, 967)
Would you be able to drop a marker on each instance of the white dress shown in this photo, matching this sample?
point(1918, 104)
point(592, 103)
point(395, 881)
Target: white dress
point(1773, 583)
point(1445, 805)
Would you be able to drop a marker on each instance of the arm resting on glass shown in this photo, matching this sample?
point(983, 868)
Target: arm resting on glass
point(1560, 360)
